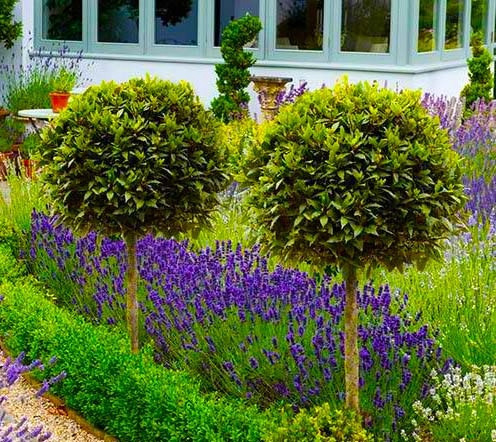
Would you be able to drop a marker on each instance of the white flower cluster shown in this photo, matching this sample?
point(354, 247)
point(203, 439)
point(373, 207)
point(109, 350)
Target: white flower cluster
point(455, 396)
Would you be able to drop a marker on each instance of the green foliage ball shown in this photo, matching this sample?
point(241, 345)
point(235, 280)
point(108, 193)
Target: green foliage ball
point(10, 30)
point(355, 176)
point(134, 157)
point(480, 75)
point(321, 425)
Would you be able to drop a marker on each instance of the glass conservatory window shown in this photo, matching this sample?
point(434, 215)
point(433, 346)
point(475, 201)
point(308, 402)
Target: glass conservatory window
point(63, 20)
point(479, 16)
point(118, 22)
point(427, 32)
point(300, 24)
point(366, 26)
point(454, 24)
point(228, 10)
point(176, 22)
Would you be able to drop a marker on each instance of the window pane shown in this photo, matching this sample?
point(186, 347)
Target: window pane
point(118, 21)
point(454, 24)
point(366, 26)
point(63, 20)
point(427, 36)
point(227, 10)
point(479, 16)
point(176, 22)
point(300, 24)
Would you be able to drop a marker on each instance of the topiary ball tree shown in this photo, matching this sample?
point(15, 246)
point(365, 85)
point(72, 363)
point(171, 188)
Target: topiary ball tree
point(134, 158)
point(356, 177)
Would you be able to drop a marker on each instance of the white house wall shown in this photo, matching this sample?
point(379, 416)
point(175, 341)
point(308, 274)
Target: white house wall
point(202, 76)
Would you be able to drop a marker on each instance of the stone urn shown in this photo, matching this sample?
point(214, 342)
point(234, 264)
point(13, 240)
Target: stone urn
point(268, 89)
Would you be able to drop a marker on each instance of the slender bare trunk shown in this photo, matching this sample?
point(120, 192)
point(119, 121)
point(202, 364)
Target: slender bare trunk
point(351, 355)
point(131, 292)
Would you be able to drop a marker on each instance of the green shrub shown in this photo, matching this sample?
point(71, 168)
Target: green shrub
point(233, 76)
point(356, 176)
point(11, 131)
point(127, 395)
point(30, 145)
point(10, 269)
point(10, 30)
point(133, 158)
point(320, 425)
point(479, 73)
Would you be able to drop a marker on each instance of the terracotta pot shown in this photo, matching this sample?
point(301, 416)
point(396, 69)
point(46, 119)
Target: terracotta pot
point(4, 113)
point(59, 100)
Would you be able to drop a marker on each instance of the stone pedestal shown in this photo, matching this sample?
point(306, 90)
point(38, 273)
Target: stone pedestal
point(268, 88)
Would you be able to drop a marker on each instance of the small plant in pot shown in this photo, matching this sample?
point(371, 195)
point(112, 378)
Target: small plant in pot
point(63, 84)
point(27, 150)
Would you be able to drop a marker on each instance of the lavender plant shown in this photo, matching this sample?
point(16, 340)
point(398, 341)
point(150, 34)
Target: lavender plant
point(288, 96)
point(267, 336)
point(10, 372)
point(449, 110)
point(28, 86)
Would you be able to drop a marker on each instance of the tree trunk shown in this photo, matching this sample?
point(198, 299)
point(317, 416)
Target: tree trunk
point(351, 355)
point(131, 292)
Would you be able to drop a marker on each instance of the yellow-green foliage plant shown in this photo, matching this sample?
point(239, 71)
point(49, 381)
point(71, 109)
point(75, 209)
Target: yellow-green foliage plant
point(239, 138)
point(133, 158)
point(356, 177)
point(321, 424)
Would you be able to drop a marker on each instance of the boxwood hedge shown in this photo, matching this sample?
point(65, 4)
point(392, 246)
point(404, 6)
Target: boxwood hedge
point(128, 396)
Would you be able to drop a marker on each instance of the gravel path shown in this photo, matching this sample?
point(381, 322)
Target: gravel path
point(23, 403)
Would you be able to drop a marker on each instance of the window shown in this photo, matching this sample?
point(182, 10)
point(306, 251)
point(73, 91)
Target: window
point(63, 20)
point(453, 38)
point(300, 24)
point(479, 17)
point(176, 22)
point(118, 21)
point(372, 32)
point(227, 10)
point(366, 26)
point(427, 31)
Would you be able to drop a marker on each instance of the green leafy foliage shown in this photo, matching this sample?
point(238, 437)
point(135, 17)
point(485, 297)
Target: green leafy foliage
point(354, 176)
point(30, 145)
point(321, 425)
point(134, 157)
point(10, 30)
point(233, 76)
point(481, 78)
point(104, 378)
point(239, 137)
point(64, 81)
point(11, 131)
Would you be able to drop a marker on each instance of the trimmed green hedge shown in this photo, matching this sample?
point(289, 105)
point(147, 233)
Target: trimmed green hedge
point(130, 397)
